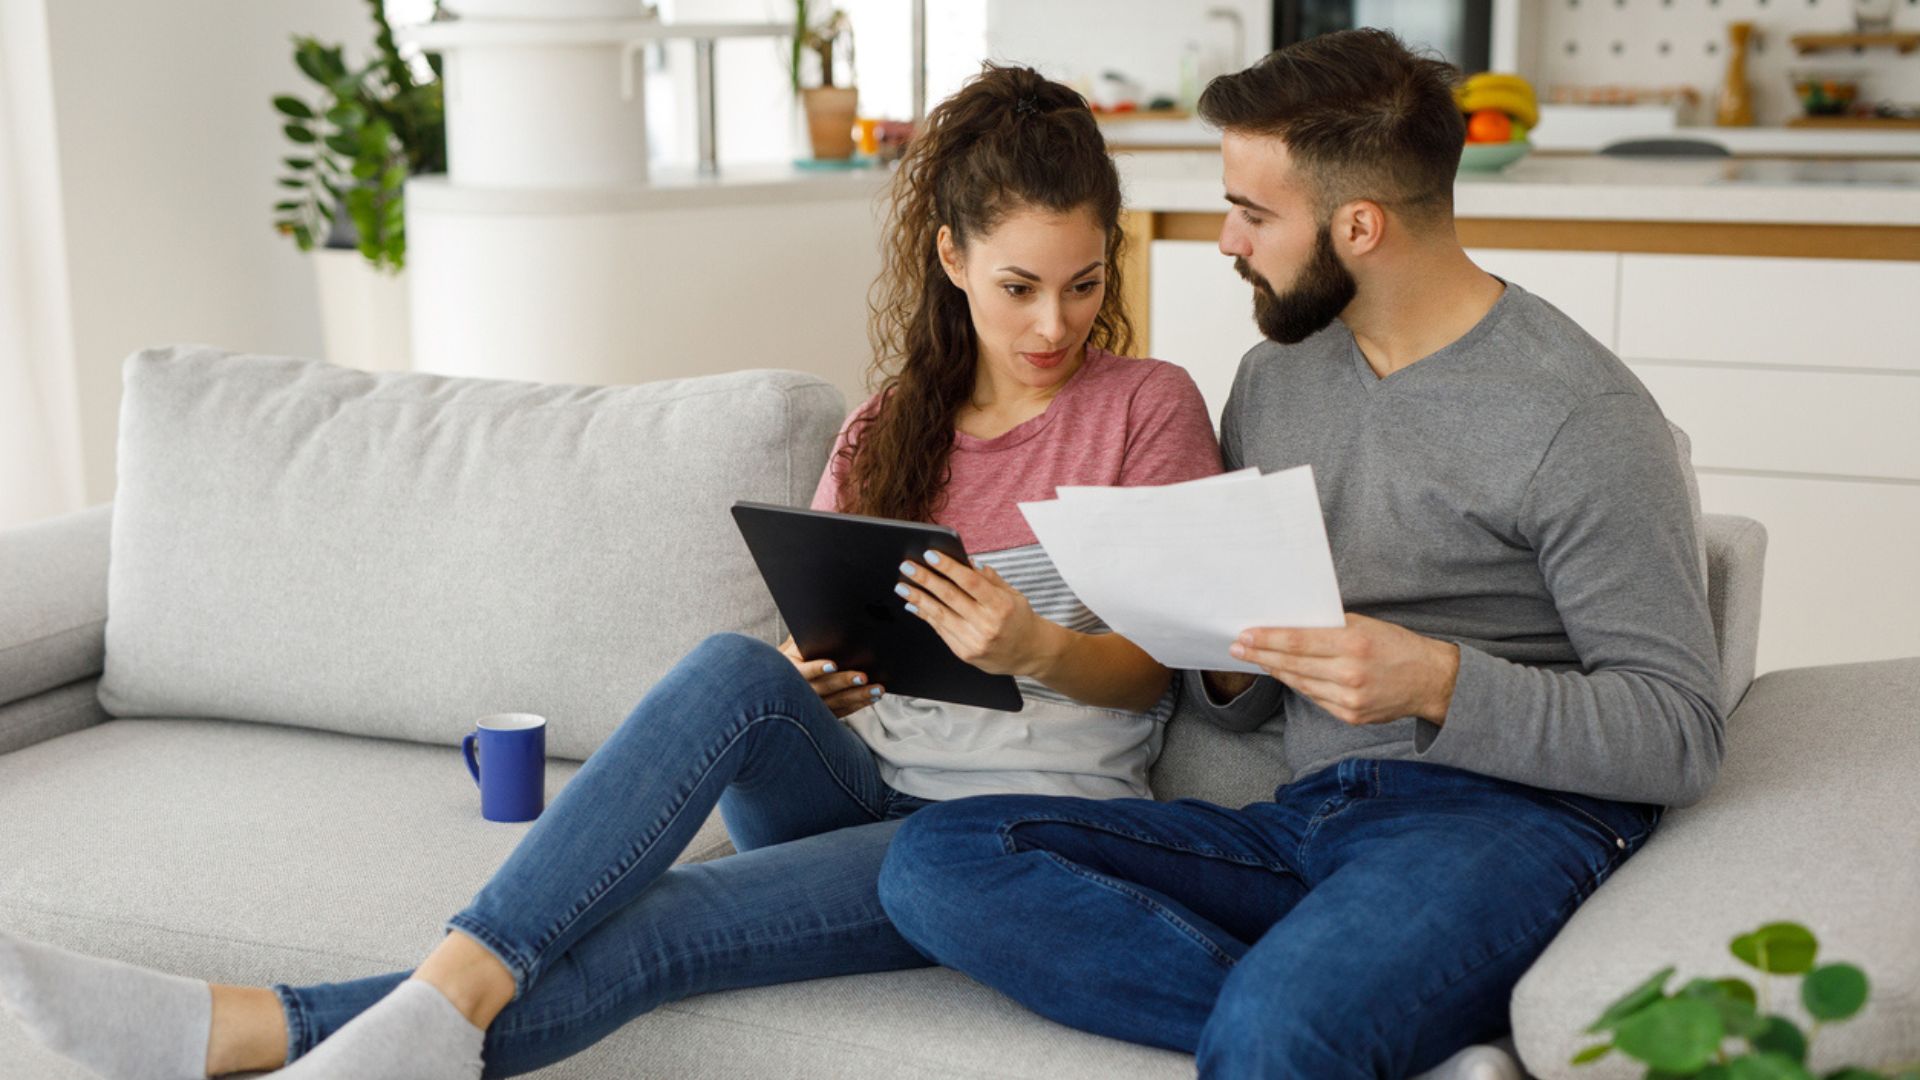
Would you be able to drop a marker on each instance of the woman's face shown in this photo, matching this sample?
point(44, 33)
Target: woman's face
point(1034, 284)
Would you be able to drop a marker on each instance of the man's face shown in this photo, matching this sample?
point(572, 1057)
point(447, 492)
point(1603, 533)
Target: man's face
point(1274, 236)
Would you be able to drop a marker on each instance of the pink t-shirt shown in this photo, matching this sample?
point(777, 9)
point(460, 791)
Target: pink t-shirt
point(1118, 422)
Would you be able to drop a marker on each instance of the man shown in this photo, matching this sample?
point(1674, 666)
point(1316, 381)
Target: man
point(1527, 676)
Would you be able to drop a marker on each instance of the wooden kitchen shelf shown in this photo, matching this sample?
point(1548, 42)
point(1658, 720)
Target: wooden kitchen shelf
point(1857, 123)
point(1808, 43)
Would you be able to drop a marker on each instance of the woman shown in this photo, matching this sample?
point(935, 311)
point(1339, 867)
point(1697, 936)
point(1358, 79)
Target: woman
point(993, 319)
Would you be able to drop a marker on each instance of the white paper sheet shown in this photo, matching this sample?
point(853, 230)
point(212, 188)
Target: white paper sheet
point(1182, 569)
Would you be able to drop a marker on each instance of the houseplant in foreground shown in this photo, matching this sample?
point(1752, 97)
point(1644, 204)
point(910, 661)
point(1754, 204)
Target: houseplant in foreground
point(1686, 1034)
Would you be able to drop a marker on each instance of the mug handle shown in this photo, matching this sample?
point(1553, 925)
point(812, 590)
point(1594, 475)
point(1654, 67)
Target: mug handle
point(467, 748)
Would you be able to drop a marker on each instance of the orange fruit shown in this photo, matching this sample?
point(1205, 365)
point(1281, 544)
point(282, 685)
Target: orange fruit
point(1489, 125)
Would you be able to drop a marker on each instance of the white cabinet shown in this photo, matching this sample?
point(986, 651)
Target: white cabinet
point(1583, 284)
point(1799, 382)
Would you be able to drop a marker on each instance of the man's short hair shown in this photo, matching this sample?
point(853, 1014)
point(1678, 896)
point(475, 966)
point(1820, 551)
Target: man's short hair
point(1362, 116)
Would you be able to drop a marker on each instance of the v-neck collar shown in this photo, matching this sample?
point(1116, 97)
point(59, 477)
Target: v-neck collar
point(1370, 382)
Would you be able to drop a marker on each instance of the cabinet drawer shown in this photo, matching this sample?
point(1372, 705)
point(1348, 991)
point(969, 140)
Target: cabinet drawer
point(1819, 312)
point(1842, 579)
point(1583, 284)
point(1849, 424)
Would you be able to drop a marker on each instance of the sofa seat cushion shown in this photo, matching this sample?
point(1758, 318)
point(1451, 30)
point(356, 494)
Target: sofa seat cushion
point(1815, 819)
point(246, 852)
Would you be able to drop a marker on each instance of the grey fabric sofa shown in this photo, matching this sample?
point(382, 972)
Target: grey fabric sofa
point(230, 705)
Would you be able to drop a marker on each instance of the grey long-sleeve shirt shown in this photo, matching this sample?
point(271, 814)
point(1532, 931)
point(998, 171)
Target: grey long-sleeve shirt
point(1517, 493)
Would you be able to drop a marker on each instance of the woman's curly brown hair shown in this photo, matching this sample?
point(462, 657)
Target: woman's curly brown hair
point(1010, 140)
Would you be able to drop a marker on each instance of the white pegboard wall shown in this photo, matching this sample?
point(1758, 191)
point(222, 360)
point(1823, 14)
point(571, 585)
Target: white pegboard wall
point(1652, 43)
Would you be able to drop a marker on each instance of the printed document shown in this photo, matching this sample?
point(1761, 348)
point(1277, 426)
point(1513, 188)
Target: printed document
point(1181, 569)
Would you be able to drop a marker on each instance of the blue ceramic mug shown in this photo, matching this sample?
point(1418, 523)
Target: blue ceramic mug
point(512, 765)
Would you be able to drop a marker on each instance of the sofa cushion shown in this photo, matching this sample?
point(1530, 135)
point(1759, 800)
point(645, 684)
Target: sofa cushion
point(1815, 819)
point(397, 554)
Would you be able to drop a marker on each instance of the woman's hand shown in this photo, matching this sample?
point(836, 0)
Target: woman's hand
point(844, 692)
point(984, 620)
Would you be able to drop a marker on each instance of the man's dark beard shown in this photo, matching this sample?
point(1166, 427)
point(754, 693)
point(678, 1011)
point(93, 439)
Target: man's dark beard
point(1318, 296)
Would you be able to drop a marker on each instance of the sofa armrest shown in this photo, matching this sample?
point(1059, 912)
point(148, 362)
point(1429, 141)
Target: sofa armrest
point(53, 575)
point(1736, 565)
point(60, 711)
point(1814, 819)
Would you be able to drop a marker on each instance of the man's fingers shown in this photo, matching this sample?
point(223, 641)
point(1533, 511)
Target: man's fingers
point(1332, 672)
point(1299, 641)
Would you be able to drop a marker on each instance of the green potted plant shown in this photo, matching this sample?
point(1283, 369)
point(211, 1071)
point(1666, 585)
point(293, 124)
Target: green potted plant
point(356, 143)
point(1725, 1029)
point(830, 109)
point(355, 140)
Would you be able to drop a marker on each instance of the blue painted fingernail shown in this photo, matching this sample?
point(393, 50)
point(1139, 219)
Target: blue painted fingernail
point(913, 609)
point(875, 691)
point(903, 591)
point(933, 558)
point(859, 680)
point(907, 568)
point(829, 668)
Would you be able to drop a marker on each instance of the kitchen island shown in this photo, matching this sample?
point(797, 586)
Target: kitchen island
point(1768, 305)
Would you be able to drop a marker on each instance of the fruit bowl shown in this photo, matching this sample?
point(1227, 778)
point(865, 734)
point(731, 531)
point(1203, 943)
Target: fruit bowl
point(1492, 157)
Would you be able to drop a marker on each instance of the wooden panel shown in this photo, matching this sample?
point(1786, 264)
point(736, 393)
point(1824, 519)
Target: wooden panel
point(1136, 269)
point(1826, 312)
point(1202, 315)
point(1583, 284)
point(1865, 242)
point(1794, 421)
point(1842, 579)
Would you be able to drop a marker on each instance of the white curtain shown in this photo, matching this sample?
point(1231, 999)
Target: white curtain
point(40, 465)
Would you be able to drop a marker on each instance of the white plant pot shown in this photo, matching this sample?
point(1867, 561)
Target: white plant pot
point(546, 9)
point(365, 314)
point(546, 115)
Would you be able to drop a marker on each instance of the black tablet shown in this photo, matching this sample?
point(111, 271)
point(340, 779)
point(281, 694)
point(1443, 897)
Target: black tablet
point(832, 577)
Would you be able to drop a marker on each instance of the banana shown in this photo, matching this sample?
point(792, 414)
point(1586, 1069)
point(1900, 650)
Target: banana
point(1515, 104)
point(1490, 80)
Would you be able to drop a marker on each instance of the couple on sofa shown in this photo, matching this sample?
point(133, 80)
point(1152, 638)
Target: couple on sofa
point(1533, 680)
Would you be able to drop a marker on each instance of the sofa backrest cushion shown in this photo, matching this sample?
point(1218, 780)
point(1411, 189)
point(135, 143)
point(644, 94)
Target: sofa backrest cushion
point(397, 554)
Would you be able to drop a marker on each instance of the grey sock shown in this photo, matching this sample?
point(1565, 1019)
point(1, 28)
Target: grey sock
point(122, 1021)
point(414, 1033)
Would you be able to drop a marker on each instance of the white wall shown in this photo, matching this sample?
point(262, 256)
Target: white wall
point(1075, 40)
point(168, 148)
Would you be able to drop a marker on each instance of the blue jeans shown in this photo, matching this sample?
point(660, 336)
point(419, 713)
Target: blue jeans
point(1370, 921)
point(597, 925)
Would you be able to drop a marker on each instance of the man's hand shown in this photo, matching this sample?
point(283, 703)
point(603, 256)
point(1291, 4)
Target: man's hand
point(1367, 672)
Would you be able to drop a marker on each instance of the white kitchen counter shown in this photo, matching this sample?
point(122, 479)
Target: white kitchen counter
point(669, 189)
point(1586, 135)
point(1593, 188)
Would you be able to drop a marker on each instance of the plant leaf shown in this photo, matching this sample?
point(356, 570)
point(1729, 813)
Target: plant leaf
point(1766, 1067)
point(290, 204)
point(1677, 1034)
point(1633, 1001)
point(341, 144)
point(293, 107)
point(1778, 1035)
point(1851, 1073)
point(1739, 990)
point(1737, 1016)
point(1834, 991)
point(346, 115)
point(298, 164)
point(1592, 1053)
point(298, 133)
point(1782, 948)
